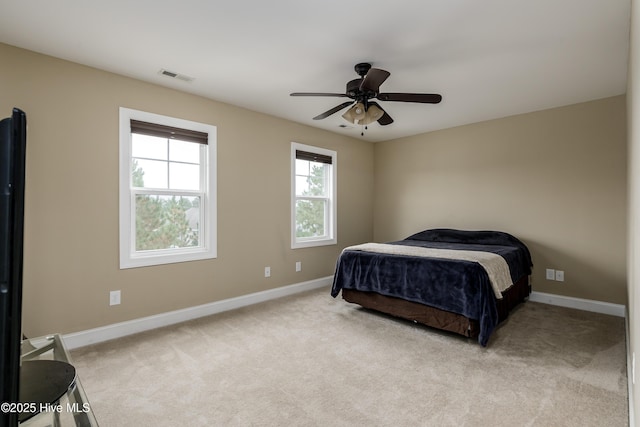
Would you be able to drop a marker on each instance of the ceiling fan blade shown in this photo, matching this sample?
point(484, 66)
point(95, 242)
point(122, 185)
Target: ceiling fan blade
point(426, 98)
point(340, 95)
point(386, 118)
point(373, 79)
point(332, 111)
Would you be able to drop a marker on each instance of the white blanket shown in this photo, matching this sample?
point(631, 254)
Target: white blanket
point(495, 265)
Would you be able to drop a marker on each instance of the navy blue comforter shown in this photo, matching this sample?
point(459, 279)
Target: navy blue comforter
point(461, 287)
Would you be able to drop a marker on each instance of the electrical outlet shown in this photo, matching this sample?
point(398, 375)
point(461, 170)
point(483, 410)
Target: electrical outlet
point(551, 274)
point(298, 266)
point(267, 272)
point(560, 275)
point(114, 297)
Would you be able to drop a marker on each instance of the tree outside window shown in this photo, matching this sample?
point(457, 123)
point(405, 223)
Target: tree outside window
point(164, 222)
point(311, 206)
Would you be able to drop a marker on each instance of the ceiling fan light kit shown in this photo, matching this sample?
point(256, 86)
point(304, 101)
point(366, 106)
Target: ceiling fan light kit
point(358, 115)
point(363, 111)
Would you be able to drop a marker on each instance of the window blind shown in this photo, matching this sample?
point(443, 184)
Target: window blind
point(313, 157)
point(169, 132)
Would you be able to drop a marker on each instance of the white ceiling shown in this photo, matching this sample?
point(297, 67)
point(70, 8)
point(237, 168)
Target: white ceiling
point(488, 59)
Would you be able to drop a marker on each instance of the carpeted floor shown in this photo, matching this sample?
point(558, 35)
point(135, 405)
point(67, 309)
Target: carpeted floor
point(311, 360)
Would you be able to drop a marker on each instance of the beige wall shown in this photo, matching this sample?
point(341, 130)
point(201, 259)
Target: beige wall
point(554, 178)
point(633, 107)
point(71, 231)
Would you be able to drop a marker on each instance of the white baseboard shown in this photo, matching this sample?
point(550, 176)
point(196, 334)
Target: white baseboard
point(579, 303)
point(117, 330)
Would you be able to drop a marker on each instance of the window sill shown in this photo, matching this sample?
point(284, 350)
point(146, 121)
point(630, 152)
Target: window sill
point(313, 243)
point(146, 260)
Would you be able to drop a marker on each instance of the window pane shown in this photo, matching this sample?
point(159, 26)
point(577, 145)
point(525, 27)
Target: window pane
point(311, 179)
point(148, 147)
point(184, 176)
point(302, 167)
point(311, 218)
point(302, 185)
point(167, 222)
point(182, 151)
point(150, 173)
point(317, 179)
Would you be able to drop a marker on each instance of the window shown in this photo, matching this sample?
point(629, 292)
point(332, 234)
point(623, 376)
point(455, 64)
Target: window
point(167, 189)
point(313, 190)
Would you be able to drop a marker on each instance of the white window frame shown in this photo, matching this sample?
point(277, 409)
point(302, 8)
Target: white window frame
point(129, 257)
point(331, 226)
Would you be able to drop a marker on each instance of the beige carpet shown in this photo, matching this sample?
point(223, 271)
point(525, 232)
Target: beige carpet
point(311, 360)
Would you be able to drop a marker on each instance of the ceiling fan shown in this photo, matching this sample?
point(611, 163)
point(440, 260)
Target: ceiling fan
point(362, 91)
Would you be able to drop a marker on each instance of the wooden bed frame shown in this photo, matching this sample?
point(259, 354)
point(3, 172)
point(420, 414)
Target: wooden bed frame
point(435, 317)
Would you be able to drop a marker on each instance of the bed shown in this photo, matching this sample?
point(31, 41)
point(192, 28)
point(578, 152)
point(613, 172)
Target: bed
point(455, 280)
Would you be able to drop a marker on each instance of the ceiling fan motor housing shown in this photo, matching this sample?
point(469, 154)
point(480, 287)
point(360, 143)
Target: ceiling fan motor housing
point(362, 68)
point(353, 88)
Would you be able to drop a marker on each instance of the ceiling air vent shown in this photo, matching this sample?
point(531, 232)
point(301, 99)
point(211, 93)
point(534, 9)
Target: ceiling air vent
point(173, 75)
